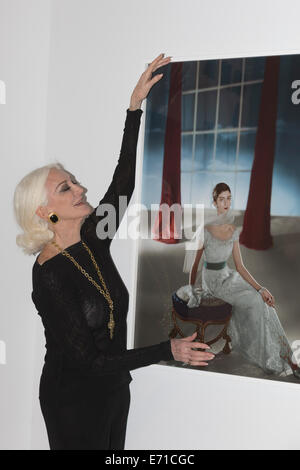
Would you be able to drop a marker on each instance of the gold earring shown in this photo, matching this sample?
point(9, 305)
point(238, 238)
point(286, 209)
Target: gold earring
point(53, 217)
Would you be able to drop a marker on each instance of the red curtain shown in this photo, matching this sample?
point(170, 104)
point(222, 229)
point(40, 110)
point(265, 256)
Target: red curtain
point(256, 226)
point(171, 191)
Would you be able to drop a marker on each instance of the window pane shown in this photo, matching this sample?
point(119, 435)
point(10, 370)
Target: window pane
point(151, 188)
point(226, 151)
point(242, 190)
point(206, 110)
point(229, 107)
point(231, 71)
point(208, 73)
point(204, 151)
point(202, 189)
point(251, 103)
point(186, 182)
point(246, 150)
point(254, 68)
point(286, 175)
point(186, 152)
point(188, 104)
point(285, 194)
point(189, 75)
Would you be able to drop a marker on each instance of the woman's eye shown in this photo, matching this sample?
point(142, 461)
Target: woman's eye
point(66, 188)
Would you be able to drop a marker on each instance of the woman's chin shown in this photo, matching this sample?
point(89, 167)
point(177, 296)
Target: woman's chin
point(89, 209)
point(84, 209)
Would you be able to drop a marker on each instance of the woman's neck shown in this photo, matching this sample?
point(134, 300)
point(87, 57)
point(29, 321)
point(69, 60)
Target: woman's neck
point(67, 234)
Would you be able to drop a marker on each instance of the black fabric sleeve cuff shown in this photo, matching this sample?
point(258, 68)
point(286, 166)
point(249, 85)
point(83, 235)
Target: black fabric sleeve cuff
point(166, 351)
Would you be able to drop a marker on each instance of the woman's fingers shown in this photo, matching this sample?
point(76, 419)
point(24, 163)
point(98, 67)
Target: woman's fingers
point(201, 356)
point(158, 61)
point(146, 81)
point(196, 344)
point(155, 64)
point(186, 351)
point(161, 63)
point(196, 356)
point(190, 338)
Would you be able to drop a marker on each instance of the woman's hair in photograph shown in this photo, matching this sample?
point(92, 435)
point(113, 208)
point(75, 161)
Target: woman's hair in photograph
point(218, 189)
point(29, 194)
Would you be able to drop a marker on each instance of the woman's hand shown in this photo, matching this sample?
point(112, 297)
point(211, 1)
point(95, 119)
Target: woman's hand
point(146, 82)
point(183, 350)
point(268, 297)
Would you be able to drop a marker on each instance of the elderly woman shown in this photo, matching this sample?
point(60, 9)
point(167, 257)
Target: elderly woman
point(84, 388)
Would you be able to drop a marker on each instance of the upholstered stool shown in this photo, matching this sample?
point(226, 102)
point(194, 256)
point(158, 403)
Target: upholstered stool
point(211, 311)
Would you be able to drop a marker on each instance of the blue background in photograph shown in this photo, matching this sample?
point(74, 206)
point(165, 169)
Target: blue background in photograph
point(217, 148)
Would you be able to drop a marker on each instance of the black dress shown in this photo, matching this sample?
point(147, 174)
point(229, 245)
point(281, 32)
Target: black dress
point(84, 387)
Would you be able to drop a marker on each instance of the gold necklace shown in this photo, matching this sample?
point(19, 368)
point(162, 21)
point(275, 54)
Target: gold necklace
point(111, 324)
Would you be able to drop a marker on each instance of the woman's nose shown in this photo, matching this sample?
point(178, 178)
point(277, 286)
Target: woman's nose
point(78, 188)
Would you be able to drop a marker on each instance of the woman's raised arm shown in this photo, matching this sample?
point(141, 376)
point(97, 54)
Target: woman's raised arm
point(104, 221)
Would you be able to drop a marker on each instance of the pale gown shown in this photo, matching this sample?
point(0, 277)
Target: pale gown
point(254, 328)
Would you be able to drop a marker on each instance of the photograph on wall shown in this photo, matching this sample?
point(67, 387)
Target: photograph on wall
point(219, 253)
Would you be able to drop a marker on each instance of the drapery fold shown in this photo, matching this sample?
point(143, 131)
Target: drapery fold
point(167, 229)
point(257, 218)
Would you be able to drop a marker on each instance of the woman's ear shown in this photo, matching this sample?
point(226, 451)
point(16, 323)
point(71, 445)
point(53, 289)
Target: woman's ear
point(42, 212)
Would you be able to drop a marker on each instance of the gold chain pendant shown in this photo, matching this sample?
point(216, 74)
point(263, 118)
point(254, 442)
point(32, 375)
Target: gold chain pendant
point(111, 324)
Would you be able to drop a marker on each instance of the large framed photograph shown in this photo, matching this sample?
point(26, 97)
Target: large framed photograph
point(221, 155)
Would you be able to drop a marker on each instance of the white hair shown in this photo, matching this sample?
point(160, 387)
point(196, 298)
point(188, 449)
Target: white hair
point(29, 194)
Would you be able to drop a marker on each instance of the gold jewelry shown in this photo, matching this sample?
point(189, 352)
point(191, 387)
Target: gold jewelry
point(53, 217)
point(111, 324)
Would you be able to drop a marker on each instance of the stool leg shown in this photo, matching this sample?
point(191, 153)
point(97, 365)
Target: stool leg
point(226, 349)
point(199, 335)
point(173, 333)
point(202, 334)
point(175, 330)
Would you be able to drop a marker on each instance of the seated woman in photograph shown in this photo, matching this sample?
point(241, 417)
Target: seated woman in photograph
point(255, 329)
point(83, 303)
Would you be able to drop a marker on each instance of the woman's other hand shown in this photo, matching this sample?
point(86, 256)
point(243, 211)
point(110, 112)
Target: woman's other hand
point(184, 350)
point(146, 82)
point(268, 297)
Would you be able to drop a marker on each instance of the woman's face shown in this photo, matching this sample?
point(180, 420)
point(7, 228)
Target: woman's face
point(223, 202)
point(64, 194)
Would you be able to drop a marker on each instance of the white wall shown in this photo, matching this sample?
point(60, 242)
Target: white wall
point(98, 51)
point(24, 42)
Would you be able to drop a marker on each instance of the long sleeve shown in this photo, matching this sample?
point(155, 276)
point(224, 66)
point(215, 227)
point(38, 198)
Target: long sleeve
point(65, 321)
point(122, 184)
